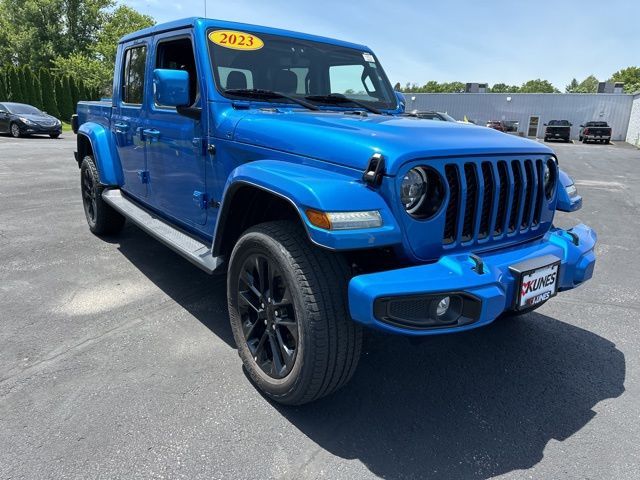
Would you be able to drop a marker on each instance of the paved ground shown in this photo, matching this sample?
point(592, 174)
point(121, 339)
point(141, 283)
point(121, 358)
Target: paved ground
point(117, 361)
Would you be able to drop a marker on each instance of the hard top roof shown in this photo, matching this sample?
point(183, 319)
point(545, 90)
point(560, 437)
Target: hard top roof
point(213, 23)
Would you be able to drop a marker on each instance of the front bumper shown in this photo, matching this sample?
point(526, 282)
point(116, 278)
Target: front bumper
point(39, 129)
point(493, 291)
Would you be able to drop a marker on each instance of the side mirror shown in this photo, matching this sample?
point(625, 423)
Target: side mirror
point(571, 124)
point(582, 125)
point(171, 87)
point(544, 124)
point(402, 101)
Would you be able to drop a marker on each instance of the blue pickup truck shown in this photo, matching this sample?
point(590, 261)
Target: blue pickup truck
point(285, 161)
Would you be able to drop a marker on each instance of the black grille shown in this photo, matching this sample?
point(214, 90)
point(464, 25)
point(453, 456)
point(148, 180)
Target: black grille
point(486, 198)
point(451, 218)
point(471, 202)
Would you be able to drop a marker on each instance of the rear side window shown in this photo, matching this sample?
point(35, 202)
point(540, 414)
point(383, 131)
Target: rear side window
point(135, 60)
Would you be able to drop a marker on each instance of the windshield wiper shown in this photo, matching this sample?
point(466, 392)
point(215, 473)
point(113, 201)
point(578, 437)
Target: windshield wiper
point(268, 95)
point(339, 98)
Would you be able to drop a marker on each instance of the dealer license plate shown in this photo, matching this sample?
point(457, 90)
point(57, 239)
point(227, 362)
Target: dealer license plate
point(538, 285)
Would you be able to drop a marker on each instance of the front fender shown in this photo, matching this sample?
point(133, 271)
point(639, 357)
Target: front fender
point(310, 187)
point(104, 152)
point(565, 202)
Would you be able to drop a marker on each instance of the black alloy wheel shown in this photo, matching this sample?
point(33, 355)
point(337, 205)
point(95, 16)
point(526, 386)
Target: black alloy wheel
point(89, 196)
point(268, 316)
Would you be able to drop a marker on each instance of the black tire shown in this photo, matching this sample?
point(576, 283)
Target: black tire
point(607, 142)
point(546, 139)
point(312, 283)
point(14, 129)
point(101, 217)
point(54, 135)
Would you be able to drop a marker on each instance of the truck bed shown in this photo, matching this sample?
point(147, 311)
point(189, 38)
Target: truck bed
point(98, 112)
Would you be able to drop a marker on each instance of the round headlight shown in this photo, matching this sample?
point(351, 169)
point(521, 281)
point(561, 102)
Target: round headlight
point(413, 189)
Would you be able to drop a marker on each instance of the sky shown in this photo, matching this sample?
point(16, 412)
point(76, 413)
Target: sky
point(469, 41)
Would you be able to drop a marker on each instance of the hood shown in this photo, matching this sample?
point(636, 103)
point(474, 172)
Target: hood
point(350, 140)
point(36, 117)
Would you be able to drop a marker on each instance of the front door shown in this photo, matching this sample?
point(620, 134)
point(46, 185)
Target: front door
point(175, 143)
point(128, 119)
point(534, 122)
point(4, 119)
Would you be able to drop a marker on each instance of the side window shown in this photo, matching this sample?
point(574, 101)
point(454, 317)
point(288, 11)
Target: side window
point(2, 109)
point(345, 79)
point(135, 60)
point(178, 55)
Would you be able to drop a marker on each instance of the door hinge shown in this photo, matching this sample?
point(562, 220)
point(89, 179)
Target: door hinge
point(143, 175)
point(203, 201)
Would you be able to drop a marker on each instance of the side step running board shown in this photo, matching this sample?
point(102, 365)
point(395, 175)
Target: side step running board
point(193, 250)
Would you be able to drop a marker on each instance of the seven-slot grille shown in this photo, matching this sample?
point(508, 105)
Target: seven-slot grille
point(488, 199)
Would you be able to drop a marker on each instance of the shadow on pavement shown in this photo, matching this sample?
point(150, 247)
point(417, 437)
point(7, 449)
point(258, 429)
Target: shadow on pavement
point(471, 405)
point(202, 295)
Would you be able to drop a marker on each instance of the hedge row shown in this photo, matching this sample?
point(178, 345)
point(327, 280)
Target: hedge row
point(56, 95)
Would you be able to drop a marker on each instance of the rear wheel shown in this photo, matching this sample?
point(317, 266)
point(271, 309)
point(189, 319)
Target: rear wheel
point(15, 130)
point(288, 312)
point(101, 217)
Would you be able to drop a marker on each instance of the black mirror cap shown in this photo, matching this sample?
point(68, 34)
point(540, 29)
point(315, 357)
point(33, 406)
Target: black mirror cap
point(74, 123)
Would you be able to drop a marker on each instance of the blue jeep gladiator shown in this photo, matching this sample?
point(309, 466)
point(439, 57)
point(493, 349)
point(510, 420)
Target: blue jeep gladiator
point(284, 161)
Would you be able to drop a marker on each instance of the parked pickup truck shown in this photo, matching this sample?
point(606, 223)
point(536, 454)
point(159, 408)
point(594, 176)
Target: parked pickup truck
point(284, 161)
point(557, 130)
point(595, 132)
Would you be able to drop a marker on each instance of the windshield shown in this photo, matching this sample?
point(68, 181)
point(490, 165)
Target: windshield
point(298, 68)
point(20, 109)
point(559, 123)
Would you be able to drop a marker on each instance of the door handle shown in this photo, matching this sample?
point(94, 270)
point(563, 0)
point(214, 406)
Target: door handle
point(151, 133)
point(121, 127)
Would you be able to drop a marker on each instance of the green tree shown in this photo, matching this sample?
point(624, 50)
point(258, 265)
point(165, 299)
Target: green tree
point(572, 87)
point(27, 85)
point(453, 87)
point(75, 93)
point(538, 86)
point(588, 85)
point(96, 68)
point(48, 90)
point(3, 88)
point(37, 91)
point(34, 32)
point(63, 99)
point(15, 88)
point(504, 88)
point(631, 78)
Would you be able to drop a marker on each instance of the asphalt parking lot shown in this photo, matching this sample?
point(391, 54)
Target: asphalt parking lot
point(117, 360)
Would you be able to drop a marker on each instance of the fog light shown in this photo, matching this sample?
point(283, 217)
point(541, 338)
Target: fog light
point(443, 306)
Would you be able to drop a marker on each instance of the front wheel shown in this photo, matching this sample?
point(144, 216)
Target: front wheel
point(54, 135)
point(101, 217)
point(15, 130)
point(288, 311)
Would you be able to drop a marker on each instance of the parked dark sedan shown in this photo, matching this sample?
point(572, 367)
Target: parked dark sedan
point(19, 119)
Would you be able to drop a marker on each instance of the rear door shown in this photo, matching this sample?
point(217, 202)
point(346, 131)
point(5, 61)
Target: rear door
point(4, 119)
point(176, 156)
point(129, 117)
